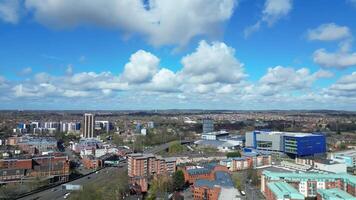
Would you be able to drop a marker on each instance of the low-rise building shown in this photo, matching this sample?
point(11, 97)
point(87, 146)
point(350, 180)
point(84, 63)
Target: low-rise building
point(308, 183)
point(249, 160)
point(282, 191)
point(51, 167)
point(334, 194)
point(210, 181)
point(214, 135)
point(347, 157)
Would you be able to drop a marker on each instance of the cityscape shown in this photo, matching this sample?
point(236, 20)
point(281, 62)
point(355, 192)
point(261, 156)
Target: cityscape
point(177, 100)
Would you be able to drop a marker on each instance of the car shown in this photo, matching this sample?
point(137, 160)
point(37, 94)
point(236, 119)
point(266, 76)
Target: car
point(66, 195)
point(54, 189)
point(96, 172)
point(88, 177)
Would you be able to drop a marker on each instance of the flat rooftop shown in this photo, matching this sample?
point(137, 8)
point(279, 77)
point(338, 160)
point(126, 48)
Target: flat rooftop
point(283, 190)
point(294, 134)
point(309, 176)
point(351, 153)
point(335, 194)
point(216, 133)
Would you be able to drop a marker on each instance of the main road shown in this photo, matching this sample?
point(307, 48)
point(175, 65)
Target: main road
point(58, 193)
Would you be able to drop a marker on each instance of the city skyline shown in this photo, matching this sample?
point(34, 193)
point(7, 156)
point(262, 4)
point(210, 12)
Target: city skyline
point(216, 54)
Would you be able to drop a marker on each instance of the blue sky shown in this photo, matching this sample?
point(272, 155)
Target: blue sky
point(205, 54)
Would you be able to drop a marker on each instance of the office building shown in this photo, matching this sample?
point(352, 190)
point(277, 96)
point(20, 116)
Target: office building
point(214, 135)
point(348, 157)
point(208, 125)
point(309, 183)
point(88, 131)
point(294, 144)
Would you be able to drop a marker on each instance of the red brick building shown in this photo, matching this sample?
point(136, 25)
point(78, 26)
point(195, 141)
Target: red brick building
point(90, 162)
point(52, 167)
point(143, 166)
point(209, 181)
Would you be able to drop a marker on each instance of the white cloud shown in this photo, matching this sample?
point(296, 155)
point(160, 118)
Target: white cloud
point(164, 81)
point(276, 9)
point(345, 86)
point(160, 21)
point(339, 60)
point(212, 63)
point(273, 11)
point(141, 68)
point(287, 77)
point(281, 80)
point(9, 11)
point(329, 32)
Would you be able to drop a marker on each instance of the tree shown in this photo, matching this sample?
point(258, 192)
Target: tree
point(178, 180)
point(176, 147)
point(252, 176)
point(159, 188)
point(233, 154)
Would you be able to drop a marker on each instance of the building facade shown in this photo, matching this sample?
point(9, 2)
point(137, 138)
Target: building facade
point(143, 166)
point(51, 167)
point(296, 144)
point(208, 125)
point(309, 183)
point(88, 131)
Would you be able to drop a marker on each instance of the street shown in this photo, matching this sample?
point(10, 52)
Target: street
point(58, 192)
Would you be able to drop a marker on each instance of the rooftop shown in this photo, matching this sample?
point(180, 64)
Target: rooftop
point(335, 194)
point(221, 132)
point(351, 153)
point(222, 179)
point(283, 190)
point(294, 134)
point(309, 176)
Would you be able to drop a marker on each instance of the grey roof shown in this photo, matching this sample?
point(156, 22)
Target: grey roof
point(214, 143)
point(222, 179)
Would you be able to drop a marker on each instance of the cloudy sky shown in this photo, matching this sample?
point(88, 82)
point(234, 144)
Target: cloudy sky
point(164, 54)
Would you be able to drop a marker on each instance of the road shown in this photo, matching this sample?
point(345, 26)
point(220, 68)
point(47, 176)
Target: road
point(164, 146)
point(58, 192)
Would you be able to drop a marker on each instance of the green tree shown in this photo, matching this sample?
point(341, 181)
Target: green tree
point(175, 148)
point(252, 176)
point(178, 180)
point(233, 154)
point(159, 188)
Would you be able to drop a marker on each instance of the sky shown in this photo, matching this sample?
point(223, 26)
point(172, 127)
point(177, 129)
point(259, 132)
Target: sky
point(170, 54)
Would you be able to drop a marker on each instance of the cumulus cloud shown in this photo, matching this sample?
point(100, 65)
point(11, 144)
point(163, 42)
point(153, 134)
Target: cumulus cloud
point(164, 81)
point(345, 86)
point(329, 32)
point(273, 11)
point(339, 60)
point(280, 80)
point(141, 68)
point(9, 11)
point(212, 63)
point(160, 21)
point(276, 9)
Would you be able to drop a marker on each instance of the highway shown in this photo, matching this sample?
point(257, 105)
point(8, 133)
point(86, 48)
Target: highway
point(58, 192)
